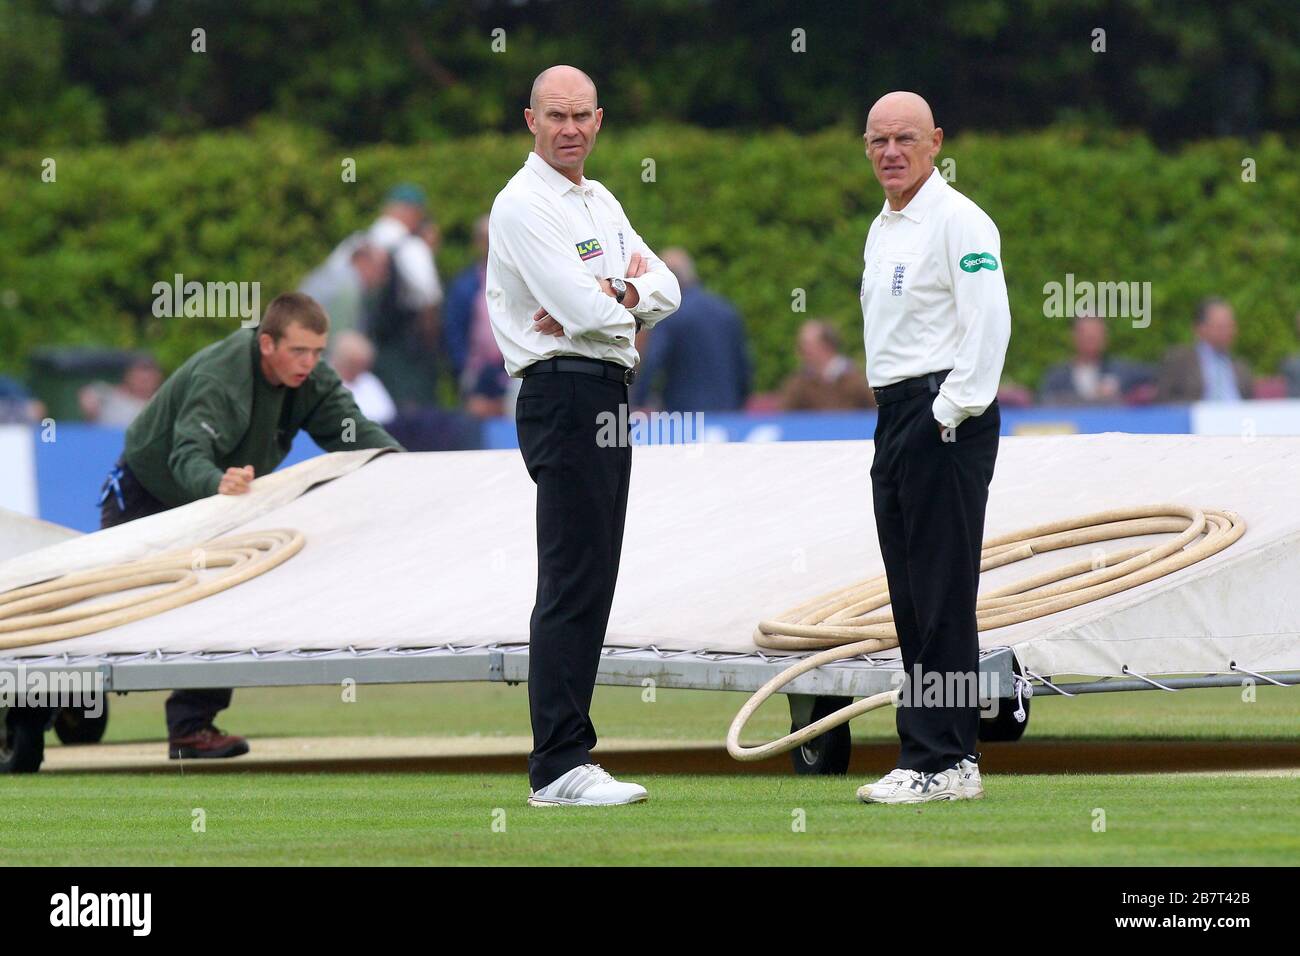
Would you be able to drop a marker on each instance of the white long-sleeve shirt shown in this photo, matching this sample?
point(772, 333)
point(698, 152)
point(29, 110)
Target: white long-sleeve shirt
point(549, 242)
point(411, 256)
point(934, 297)
point(372, 397)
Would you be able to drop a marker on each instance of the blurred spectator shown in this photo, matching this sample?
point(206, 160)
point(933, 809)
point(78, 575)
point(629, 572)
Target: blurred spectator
point(488, 393)
point(1207, 369)
point(698, 362)
point(1091, 377)
point(347, 283)
point(467, 329)
point(17, 404)
point(827, 380)
point(1012, 394)
point(1291, 368)
point(118, 405)
point(353, 358)
point(404, 323)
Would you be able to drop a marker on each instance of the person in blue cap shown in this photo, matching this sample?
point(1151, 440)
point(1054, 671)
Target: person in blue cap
point(404, 323)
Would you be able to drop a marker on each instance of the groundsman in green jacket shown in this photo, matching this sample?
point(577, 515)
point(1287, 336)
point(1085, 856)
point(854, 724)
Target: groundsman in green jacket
point(231, 411)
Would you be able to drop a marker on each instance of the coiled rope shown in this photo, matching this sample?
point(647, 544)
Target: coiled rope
point(54, 610)
point(849, 622)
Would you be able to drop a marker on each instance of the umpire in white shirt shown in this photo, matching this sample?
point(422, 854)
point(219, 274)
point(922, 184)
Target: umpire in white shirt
point(936, 324)
point(569, 283)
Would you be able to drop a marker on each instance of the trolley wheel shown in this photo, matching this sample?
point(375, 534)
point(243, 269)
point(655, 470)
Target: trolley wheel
point(75, 726)
point(1004, 727)
point(22, 738)
point(829, 753)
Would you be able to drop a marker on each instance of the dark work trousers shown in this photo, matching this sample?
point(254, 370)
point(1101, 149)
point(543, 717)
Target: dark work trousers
point(187, 710)
point(574, 443)
point(929, 496)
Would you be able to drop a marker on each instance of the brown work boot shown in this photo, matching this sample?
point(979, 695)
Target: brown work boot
point(206, 744)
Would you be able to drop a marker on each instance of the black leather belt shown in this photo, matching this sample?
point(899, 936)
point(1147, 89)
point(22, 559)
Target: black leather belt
point(587, 366)
point(897, 392)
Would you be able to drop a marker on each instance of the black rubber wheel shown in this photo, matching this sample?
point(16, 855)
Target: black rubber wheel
point(1004, 728)
point(22, 738)
point(74, 726)
point(828, 754)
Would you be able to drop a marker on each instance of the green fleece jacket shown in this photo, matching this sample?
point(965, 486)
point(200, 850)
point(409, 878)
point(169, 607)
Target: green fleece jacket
point(218, 411)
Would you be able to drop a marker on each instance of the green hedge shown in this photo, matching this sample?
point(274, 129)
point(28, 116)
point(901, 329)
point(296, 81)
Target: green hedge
point(763, 215)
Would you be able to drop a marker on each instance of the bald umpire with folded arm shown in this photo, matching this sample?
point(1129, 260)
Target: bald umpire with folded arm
point(936, 325)
point(569, 283)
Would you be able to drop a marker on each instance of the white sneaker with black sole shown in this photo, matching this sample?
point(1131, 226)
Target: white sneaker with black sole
point(586, 786)
point(959, 782)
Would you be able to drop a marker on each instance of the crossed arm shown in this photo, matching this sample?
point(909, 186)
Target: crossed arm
point(545, 323)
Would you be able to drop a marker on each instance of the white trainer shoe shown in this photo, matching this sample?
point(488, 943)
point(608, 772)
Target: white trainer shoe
point(586, 786)
point(968, 776)
point(959, 782)
point(887, 785)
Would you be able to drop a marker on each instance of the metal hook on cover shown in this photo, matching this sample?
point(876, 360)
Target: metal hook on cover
point(1040, 677)
point(1232, 665)
point(1148, 680)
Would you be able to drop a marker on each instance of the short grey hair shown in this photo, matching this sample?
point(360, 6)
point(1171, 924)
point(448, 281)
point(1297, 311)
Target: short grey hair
point(680, 264)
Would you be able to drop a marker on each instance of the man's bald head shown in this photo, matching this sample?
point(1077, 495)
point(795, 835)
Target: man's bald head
point(902, 105)
point(564, 77)
point(564, 119)
point(902, 142)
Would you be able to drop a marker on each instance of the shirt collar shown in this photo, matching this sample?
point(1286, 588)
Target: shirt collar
point(558, 182)
point(922, 202)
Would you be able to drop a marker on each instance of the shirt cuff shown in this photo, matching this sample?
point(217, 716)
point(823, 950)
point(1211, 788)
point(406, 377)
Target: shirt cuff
point(946, 412)
point(648, 316)
point(621, 334)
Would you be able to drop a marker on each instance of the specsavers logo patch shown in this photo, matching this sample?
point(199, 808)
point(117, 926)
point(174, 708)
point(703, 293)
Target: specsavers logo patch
point(975, 261)
point(589, 249)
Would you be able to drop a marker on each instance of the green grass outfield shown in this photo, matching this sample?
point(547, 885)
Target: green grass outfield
point(448, 818)
point(459, 710)
point(338, 819)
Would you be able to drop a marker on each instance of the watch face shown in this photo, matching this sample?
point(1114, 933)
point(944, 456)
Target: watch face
point(618, 284)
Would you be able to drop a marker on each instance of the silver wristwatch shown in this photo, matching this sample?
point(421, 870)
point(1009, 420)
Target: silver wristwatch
point(620, 289)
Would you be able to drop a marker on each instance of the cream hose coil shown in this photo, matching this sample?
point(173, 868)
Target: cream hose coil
point(59, 609)
point(849, 622)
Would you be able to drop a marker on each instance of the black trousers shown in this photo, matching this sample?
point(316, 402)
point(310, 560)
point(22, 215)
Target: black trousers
point(574, 444)
point(187, 710)
point(929, 496)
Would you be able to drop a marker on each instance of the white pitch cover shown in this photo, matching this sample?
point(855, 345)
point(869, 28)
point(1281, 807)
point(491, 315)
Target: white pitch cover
point(423, 549)
point(20, 534)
